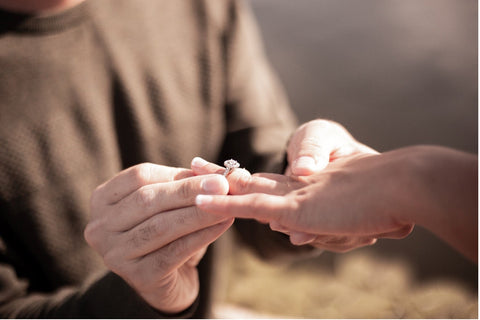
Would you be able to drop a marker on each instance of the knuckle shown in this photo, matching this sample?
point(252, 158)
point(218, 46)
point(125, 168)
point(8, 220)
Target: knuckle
point(239, 184)
point(185, 217)
point(162, 263)
point(144, 196)
point(244, 182)
point(317, 124)
point(289, 213)
point(177, 248)
point(142, 173)
point(96, 198)
point(293, 207)
point(258, 200)
point(195, 214)
point(144, 234)
point(180, 219)
point(322, 123)
point(97, 236)
point(185, 190)
point(89, 234)
point(311, 142)
point(92, 233)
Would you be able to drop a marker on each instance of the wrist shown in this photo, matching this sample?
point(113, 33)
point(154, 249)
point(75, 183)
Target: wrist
point(442, 184)
point(411, 178)
point(437, 174)
point(402, 188)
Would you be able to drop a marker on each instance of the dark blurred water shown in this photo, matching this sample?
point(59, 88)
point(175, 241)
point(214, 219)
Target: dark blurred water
point(395, 73)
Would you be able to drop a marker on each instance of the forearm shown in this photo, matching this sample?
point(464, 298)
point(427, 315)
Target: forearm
point(443, 184)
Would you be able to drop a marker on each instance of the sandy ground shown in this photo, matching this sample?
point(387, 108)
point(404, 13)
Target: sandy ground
point(360, 286)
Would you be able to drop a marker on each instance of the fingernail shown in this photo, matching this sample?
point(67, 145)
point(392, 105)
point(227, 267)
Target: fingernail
point(215, 184)
point(203, 199)
point(304, 162)
point(275, 226)
point(199, 162)
point(300, 238)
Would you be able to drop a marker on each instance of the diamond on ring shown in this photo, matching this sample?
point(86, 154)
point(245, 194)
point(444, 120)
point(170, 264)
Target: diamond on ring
point(230, 165)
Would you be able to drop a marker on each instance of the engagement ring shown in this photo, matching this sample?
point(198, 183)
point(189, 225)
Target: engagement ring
point(230, 165)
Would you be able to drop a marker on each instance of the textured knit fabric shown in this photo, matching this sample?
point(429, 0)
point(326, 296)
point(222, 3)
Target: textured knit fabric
point(103, 86)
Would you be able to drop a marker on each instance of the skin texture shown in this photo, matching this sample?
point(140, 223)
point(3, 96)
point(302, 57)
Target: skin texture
point(147, 229)
point(361, 197)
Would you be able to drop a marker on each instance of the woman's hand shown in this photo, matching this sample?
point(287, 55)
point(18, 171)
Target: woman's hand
point(338, 209)
point(360, 198)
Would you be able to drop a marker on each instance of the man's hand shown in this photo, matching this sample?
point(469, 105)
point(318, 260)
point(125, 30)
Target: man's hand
point(145, 225)
point(348, 205)
point(317, 143)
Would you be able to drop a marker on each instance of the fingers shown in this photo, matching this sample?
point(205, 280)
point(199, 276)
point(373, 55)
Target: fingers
point(146, 228)
point(242, 182)
point(310, 147)
point(268, 183)
point(165, 260)
point(108, 221)
point(335, 243)
point(201, 166)
point(342, 244)
point(339, 243)
point(397, 234)
point(259, 206)
point(160, 197)
point(167, 278)
point(164, 228)
point(134, 177)
point(301, 238)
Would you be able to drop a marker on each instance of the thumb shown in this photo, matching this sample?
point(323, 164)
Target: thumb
point(308, 155)
point(306, 165)
point(310, 147)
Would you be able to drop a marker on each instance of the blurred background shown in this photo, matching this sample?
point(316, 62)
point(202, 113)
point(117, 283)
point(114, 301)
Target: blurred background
point(394, 73)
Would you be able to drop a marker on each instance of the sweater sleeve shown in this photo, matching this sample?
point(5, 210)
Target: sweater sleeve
point(259, 122)
point(107, 297)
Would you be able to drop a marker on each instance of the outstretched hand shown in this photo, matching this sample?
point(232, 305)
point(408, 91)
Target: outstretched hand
point(338, 209)
point(311, 148)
